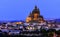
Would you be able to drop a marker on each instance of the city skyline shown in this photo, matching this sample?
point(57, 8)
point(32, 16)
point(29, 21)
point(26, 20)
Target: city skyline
point(20, 9)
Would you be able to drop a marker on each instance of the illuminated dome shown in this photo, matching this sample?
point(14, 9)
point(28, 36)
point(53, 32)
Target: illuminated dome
point(34, 16)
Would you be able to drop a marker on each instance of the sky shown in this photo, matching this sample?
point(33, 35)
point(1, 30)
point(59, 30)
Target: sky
point(20, 9)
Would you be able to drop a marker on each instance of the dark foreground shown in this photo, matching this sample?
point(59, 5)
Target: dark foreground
point(41, 33)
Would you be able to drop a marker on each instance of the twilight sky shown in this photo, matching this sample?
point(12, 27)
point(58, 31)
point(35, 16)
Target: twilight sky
point(20, 9)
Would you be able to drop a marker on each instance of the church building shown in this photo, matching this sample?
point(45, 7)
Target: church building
point(35, 16)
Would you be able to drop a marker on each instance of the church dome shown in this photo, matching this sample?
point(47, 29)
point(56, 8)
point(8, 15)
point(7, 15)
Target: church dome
point(36, 10)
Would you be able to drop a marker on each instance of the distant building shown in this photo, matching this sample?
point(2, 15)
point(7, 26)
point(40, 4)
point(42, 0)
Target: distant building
point(35, 16)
